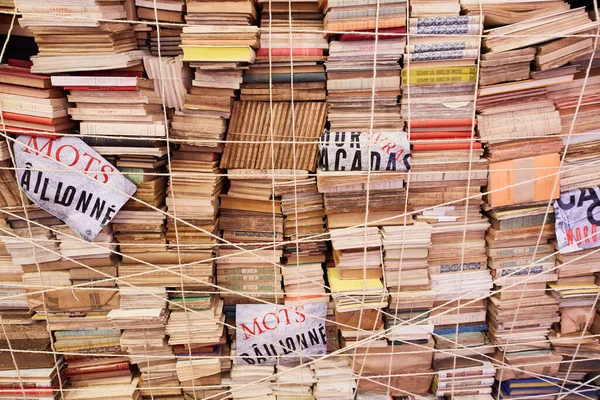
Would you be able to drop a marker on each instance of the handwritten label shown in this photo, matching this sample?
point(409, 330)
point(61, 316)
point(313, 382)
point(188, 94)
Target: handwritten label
point(55, 174)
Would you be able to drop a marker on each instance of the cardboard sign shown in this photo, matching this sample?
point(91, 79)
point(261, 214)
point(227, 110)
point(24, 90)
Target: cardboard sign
point(354, 151)
point(266, 332)
point(577, 215)
point(64, 188)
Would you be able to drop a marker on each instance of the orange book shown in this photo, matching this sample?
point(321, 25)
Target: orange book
point(440, 135)
point(427, 123)
point(34, 120)
point(445, 146)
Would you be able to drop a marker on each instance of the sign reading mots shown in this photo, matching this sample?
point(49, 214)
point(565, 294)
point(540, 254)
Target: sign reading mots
point(266, 332)
point(71, 181)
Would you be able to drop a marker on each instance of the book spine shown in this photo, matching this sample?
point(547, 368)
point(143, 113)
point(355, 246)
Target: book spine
point(96, 368)
point(438, 71)
point(447, 20)
point(260, 287)
point(237, 278)
point(443, 55)
point(428, 80)
point(470, 372)
point(459, 267)
point(103, 88)
point(519, 250)
point(467, 29)
point(520, 271)
point(95, 128)
point(236, 271)
point(286, 78)
point(298, 52)
point(446, 146)
point(27, 118)
point(442, 46)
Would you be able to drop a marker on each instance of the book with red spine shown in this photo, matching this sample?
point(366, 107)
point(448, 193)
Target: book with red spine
point(445, 146)
point(103, 88)
point(439, 123)
point(389, 33)
point(295, 52)
point(439, 135)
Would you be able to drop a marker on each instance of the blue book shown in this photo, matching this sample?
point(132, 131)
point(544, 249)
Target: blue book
point(461, 329)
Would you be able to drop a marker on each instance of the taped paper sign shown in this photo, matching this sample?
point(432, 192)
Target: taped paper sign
point(267, 332)
point(354, 151)
point(577, 215)
point(55, 174)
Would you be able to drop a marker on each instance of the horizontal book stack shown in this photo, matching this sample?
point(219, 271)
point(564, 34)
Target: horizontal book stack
point(406, 271)
point(285, 57)
point(304, 229)
point(294, 382)
point(196, 334)
point(349, 16)
point(59, 33)
point(109, 103)
point(193, 196)
point(363, 83)
point(465, 382)
point(30, 103)
point(38, 376)
point(249, 275)
point(238, 13)
point(335, 379)
point(357, 253)
point(252, 382)
point(144, 339)
point(168, 11)
point(283, 136)
point(358, 305)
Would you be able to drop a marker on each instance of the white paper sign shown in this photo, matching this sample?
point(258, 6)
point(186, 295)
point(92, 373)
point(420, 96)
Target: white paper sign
point(577, 215)
point(265, 332)
point(85, 204)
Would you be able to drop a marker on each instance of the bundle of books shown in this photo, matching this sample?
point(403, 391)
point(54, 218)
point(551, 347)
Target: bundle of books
point(364, 15)
point(288, 65)
point(111, 103)
point(363, 83)
point(294, 382)
point(59, 33)
point(144, 339)
point(172, 80)
point(334, 378)
point(252, 382)
point(196, 333)
point(406, 271)
point(249, 273)
point(30, 103)
point(464, 382)
point(32, 376)
point(170, 11)
point(193, 196)
point(358, 305)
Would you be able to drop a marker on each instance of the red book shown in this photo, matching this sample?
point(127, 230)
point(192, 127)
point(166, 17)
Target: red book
point(440, 135)
point(437, 123)
point(348, 37)
point(35, 120)
point(30, 132)
point(264, 52)
point(96, 368)
point(21, 71)
point(445, 146)
point(95, 88)
point(20, 63)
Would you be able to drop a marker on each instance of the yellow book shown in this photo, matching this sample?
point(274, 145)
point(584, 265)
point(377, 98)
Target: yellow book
point(218, 53)
point(437, 71)
point(349, 285)
point(425, 80)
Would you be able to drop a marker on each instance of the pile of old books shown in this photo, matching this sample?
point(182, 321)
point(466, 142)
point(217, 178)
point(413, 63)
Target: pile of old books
point(288, 65)
point(60, 31)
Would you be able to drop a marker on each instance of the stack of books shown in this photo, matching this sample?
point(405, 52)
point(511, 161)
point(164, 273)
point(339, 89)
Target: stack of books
point(465, 382)
point(238, 13)
point(285, 57)
point(111, 103)
point(406, 272)
point(35, 376)
point(89, 373)
point(358, 305)
point(255, 274)
point(364, 15)
point(197, 336)
point(363, 83)
point(170, 11)
point(59, 33)
point(252, 381)
point(335, 379)
point(193, 196)
point(30, 103)
point(144, 338)
point(294, 382)
point(171, 76)
point(357, 252)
